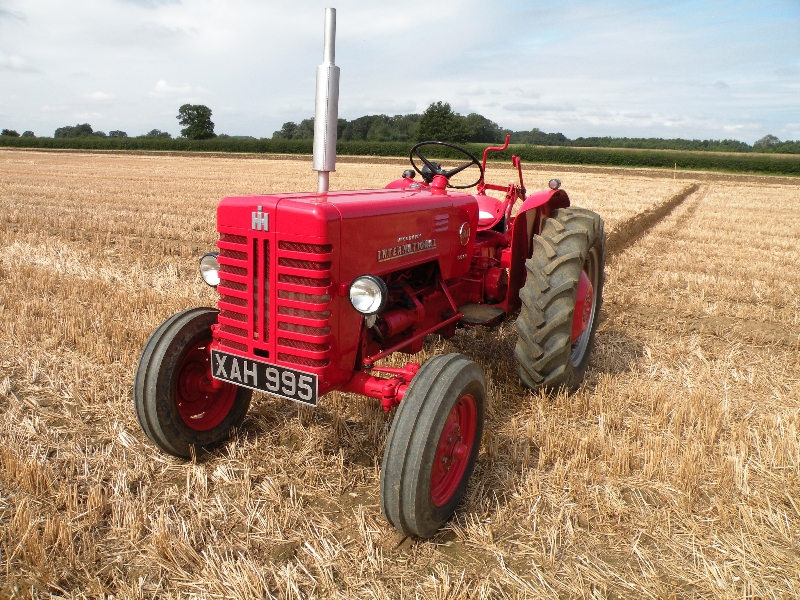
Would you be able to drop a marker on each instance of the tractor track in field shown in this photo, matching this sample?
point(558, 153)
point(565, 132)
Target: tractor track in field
point(746, 331)
point(627, 232)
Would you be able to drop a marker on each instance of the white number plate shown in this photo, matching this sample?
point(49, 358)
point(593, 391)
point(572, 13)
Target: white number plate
point(264, 377)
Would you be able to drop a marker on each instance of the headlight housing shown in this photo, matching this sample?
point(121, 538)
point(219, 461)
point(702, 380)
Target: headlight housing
point(368, 294)
point(209, 268)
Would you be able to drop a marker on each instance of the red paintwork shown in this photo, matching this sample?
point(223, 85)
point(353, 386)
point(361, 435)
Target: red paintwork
point(486, 155)
point(203, 402)
point(584, 303)
point(453, 449)
point(284, 291)
point(551, 198)
point(389, 391)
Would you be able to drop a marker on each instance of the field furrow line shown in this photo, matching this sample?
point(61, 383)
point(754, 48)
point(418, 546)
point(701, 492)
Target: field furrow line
point(626, 232)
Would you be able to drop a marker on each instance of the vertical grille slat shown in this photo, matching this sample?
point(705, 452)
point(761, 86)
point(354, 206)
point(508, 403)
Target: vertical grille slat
point(266, 290)
point(255, 289)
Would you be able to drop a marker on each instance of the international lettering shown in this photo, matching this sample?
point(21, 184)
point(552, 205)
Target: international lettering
point(405, 249)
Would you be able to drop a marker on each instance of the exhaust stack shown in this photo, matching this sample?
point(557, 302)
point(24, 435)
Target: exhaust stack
point(326, 112)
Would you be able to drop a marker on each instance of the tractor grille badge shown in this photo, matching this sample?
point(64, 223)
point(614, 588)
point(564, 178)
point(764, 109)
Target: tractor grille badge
point(402, 250)
point(260, 220)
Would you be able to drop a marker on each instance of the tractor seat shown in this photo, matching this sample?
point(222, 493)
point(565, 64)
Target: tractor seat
point(490, 211)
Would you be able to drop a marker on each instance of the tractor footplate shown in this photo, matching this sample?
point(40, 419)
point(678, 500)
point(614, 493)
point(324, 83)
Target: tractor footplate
point(481, 314)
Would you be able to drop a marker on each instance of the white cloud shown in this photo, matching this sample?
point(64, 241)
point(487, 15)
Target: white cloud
point(100, 96)
point(525, 93)
point(358, 107)
point(732, 127)
point(163, 88)
point(791, 131)
point(151, 3)
point(530, 107)
point(12, 62)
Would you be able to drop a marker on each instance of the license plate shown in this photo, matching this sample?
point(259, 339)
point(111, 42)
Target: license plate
point(263, 377)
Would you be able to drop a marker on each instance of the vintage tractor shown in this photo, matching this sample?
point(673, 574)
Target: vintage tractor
point(316, 288)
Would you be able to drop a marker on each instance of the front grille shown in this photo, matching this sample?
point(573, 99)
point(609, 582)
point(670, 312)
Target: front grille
point(233, 254)
point(303, 281)
point(303, 361)
point(306, 281)
point(308, 265)
point(226, 314)
point(232, 299)
point(303, 328)
point(306, 248)
point(299, 312)
point(231, 344)
point(298, 294)
point(233, 239)
point(300, 297)
point(237, 331)
point(231, 270)
point(310, 346)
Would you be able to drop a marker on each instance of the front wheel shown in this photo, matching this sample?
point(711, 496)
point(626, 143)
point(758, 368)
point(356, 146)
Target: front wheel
point(561, 300)
point(178, 404)
point(433, 445)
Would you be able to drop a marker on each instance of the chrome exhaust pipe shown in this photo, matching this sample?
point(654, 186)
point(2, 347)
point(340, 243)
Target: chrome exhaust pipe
point(326, 111)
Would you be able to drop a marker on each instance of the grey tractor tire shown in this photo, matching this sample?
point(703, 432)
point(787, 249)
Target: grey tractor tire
point(407, 469)
point(155, 385)
point(570, 238)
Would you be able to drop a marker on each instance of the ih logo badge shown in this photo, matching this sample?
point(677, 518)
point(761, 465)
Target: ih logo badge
point(260, 220)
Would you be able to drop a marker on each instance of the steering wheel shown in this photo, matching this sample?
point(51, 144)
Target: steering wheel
point(436, 169)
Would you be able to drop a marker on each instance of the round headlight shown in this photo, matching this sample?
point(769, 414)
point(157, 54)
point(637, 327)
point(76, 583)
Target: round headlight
point(368, 294)
point(209, 268)
point(554, 184)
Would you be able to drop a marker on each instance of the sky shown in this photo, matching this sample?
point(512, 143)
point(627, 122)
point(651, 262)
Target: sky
point(700, 69)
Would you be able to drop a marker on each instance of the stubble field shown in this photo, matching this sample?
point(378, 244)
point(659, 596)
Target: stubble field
point(674, 470)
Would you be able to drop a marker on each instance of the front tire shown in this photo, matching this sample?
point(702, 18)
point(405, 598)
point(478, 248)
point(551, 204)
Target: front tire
point(433, 445)
point(178, 405)
point(561, 300)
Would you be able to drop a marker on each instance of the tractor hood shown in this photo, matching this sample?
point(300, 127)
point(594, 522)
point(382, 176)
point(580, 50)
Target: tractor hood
point(378, 231)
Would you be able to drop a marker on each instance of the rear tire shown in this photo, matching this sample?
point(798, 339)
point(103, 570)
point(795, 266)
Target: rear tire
point(433, 444)
point(572, 241)
point(175, 404)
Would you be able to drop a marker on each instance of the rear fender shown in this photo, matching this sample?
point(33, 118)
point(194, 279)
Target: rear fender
point(554, 198)
point(545, 201)
point(526, 224)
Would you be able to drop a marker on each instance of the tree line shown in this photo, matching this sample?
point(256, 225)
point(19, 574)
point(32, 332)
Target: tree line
point(438, 122)
point(196, 119)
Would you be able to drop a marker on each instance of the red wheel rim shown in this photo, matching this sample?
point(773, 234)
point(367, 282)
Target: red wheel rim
point(453, 450)
point(584, 306)
point(203, 402)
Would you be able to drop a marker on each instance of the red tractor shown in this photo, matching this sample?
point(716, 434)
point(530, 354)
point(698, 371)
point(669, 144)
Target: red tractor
point(316, 288)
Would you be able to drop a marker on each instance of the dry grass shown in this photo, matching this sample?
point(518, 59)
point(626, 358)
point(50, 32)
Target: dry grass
point(674, 471)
